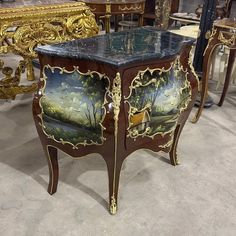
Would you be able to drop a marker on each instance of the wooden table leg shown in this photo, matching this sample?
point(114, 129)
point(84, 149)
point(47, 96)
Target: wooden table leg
point(228, 75)
point(116, 23)
point(107, 23)
point(204, 87)
point(140, 20)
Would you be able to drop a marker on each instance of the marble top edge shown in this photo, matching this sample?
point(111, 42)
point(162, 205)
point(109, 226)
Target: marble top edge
point(120, 48)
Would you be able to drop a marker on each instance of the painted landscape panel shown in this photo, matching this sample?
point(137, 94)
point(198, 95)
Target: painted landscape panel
point(73, 105)
point(156, 101)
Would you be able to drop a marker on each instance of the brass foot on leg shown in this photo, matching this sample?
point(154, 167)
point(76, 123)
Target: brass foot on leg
point(194, 119)
point(113, 206)
point(177, 161)
point(113, 210)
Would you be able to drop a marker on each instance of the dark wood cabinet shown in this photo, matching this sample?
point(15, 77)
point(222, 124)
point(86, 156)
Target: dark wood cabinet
point(114, 94)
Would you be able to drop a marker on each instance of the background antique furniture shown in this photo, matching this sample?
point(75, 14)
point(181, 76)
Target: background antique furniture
point(113, 94)
point(26, 24)
point(185, 18)
point(223, 10)
point(223, 33)
point(187, 31)
point(105, 9)
point(151, 6)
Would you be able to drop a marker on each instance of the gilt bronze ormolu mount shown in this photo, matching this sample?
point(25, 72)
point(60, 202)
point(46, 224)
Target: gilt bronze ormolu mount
point(113, 94)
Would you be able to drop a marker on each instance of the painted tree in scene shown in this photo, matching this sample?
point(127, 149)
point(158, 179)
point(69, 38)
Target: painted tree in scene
point(94, 90)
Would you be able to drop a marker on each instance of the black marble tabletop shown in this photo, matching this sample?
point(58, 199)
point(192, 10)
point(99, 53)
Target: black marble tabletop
point(121, 48)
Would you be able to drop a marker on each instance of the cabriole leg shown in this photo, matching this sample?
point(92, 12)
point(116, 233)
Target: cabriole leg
point(173, 152)
point(51, 155)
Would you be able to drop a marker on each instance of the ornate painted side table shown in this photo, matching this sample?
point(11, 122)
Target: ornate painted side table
point(107, 8)
point(223, 33)
point(24, 24)
point(113, 94)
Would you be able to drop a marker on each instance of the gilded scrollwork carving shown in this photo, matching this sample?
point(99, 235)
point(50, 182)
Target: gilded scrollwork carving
point(227, 38)
point(9, 92)
point(51, 30)
point(22, 29)
point(214, 31)
point(116, 97)
point(82, 26)
point(27, 37)
point(9, 84)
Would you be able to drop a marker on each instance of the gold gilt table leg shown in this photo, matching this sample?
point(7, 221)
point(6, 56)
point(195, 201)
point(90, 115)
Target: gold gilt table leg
point(9, 84)
point(29, 69)
point(107, 18)
point(107, 23)
point(10, 92)
point(10, 79)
